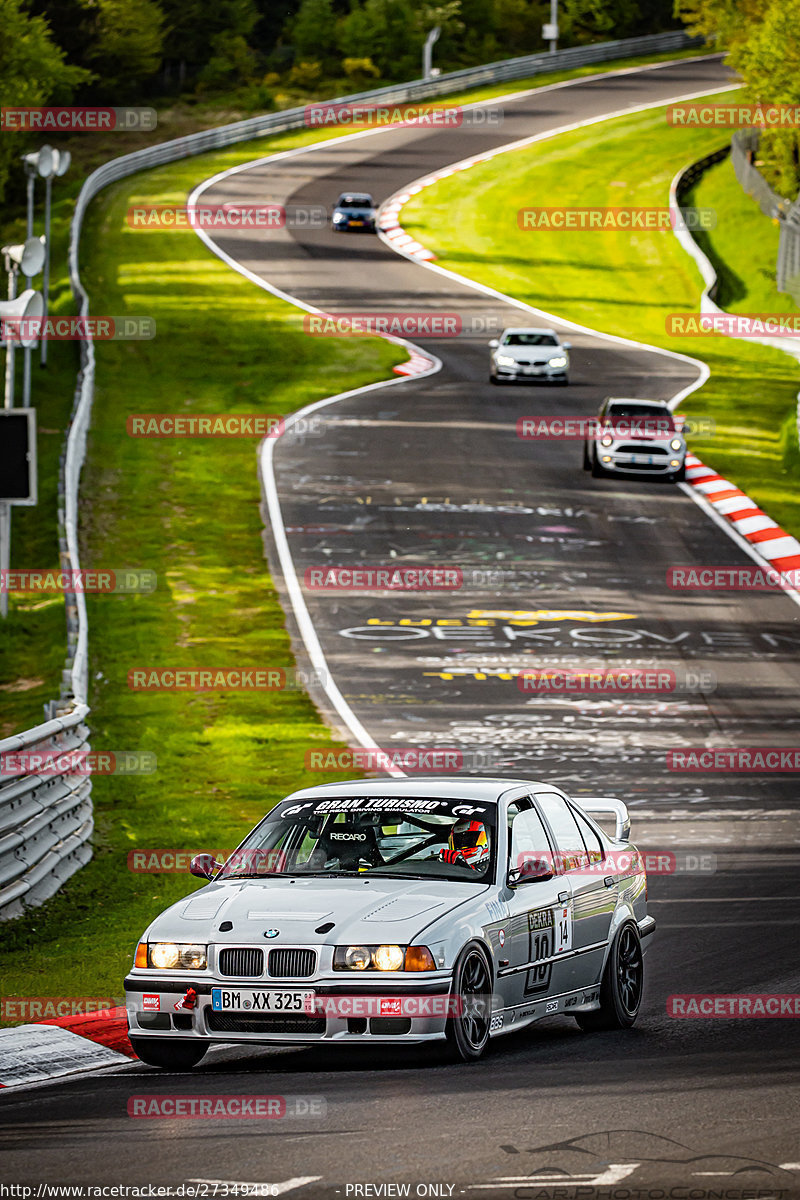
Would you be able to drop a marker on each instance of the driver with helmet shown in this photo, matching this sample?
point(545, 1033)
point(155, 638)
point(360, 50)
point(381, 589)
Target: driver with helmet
point(468, 844)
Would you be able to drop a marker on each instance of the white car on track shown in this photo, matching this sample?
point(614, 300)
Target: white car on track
point(397, 911)
point(636, 437)
point(529, 354)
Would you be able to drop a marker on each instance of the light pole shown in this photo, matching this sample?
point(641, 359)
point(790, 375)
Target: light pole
point(427, 53)
point(550, 32)
point(61, 161)
point(29, 258)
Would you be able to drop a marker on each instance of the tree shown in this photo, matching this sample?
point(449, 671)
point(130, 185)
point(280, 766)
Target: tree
point(597, 20)
point(232, 63)
point(762, 38)
point(125, 43)
point(313, 31)
point(769, 60)
point(192, 28)
point(34, 72)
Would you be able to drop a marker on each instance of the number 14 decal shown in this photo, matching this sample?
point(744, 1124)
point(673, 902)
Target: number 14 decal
point(562, 920)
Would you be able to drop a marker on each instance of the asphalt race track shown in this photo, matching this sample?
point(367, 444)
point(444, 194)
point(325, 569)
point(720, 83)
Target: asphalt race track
point(560, 570)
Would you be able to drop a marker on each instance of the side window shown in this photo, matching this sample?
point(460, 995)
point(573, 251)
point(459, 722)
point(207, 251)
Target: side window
point(528, 840)
point(591, 840)
point(568, 837)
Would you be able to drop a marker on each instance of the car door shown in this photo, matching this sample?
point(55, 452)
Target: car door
point(536, 934)
point(593, 891)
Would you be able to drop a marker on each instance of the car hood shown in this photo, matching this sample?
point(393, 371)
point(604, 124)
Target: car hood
point(528, 352)
point(360, 214)
point(372, 910)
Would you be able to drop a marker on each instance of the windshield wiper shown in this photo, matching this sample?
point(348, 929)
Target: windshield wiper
point(256, 875)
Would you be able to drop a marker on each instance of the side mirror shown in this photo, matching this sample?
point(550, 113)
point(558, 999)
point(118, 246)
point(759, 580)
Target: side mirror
point(567, 345)
point(493, 344)
point(531, 870)
point(204, 866)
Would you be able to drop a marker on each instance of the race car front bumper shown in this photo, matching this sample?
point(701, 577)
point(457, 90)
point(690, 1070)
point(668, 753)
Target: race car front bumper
point(342, 1012)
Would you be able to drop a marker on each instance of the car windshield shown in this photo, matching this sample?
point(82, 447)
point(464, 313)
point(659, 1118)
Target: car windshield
point(530, 339)
point(355, 202)
point(356, 835)
point(658, 418)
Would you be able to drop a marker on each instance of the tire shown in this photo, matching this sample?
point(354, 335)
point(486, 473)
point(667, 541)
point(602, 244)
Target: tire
point(597, 470)
point(587, 462)
point(621, 987)
point(564, 381)
point(468, 1032)
point(493, 379)
point(678, 476)
point(171, 1054)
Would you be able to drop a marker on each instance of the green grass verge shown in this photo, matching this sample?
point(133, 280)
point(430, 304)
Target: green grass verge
point(743, 247)
point(625, 283)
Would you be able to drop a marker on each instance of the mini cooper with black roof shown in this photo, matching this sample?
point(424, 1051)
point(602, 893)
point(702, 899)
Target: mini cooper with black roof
point(442, 909)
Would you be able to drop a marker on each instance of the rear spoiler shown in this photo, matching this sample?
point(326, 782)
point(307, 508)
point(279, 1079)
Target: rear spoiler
point(609, 804)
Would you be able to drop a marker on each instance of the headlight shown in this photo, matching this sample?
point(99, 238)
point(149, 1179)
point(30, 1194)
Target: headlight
point(171, 956)
point(505, 360)
point(558, 362)
point(389, 958)
point(675, 444)
point(357, 958)
point(339, 217)
point(606, 439)
point(366, 958)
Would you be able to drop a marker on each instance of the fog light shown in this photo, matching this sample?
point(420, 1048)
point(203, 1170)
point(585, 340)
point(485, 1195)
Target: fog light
point(674, 462)
point(606, 458)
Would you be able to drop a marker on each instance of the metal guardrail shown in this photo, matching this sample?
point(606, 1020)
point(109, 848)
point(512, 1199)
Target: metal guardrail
point(46, 822)
point(744, 147)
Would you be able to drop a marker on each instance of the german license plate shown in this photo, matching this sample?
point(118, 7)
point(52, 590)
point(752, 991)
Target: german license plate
point(272, 1001)
point(642, 458)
